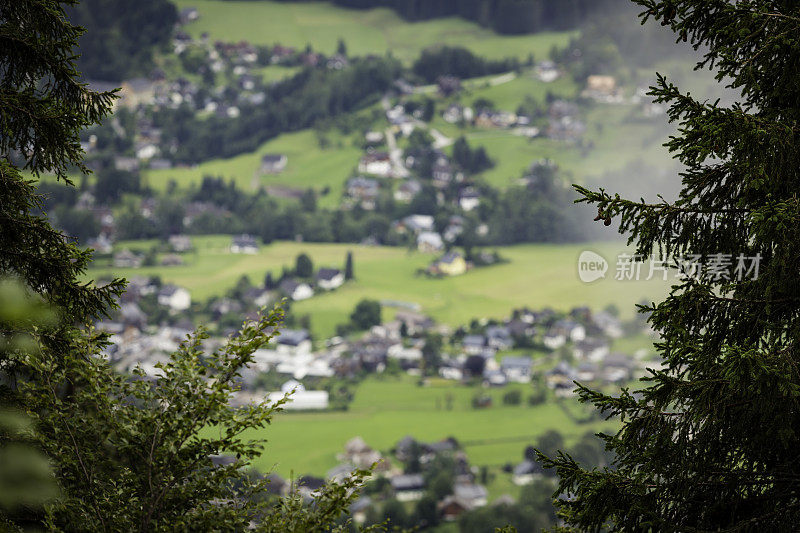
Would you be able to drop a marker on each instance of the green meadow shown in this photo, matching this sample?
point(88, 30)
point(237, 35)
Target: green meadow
point(536, 275)
point(373, 31)
point(309, 166)
point(614, 138)
point(385, 409)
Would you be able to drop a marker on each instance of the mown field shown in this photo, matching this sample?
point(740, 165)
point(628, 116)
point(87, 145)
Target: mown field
point(374, 31)
point(385, 409)
point(309, 166)
point(536, 276)
point(614, 139)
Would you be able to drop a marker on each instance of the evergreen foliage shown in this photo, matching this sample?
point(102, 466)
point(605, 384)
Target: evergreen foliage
point(121, 35)
point(503, 16)
point(128, 453)
point(459, 62)
point(348, 266)
point(710, 442)
point(303, 267)
point(366, 314)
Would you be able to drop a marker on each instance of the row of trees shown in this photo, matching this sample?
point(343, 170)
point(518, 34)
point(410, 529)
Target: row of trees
point(294, 104)
point(121, 36)
point(503, 16)
point(459, 62)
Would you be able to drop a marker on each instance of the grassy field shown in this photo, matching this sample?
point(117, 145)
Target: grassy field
point(309, 166)
point(365, 31)
point(613, 137)
point(386, 409)
point(536, 276)
point(511, 94)
point(613, 140)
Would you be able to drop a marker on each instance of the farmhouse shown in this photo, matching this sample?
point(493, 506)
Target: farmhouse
point(473, 344)
point(294, 341)
point(188, 14)
point(517, 368)
point(408, 487)
point(603, 89)
point(452, 507)
point(301, 399)
point(330, 278)
point(442, 172)
point(273, 163)
point(417, 223)
point(244, 244)
point(526, 471)
point(499, 337)
point(296, 290)
point(180, 243)
point(469, 199)
point(450, 264)
point(171, 260)
point(373, 137)
point(407, 191)
point(174, 297)
point(415, 322)
point(376, 163)
point(547, 71)
point(591, 349)
point(127, 259)
point(473, 495)
point(365, 190)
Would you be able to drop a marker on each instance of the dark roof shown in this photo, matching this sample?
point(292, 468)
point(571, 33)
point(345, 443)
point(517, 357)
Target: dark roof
point(328, 273)
point(168, 290)
point(222, 459)
point(470, 492)
point(528, 467)
point(408, 482)
point(449, 257)
point(289, 285)
point(272, 159)
point(498, 332)
point(512, 361)
point(292, 337)
point(311, 482)
point(446, 445)
point(244, 240)
point(473, 340)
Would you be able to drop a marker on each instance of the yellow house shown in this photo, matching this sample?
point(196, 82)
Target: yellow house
point(450, 264)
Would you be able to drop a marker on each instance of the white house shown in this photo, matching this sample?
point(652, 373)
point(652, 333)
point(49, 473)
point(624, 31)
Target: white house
point(376, 163)
point(174, 297)
point(417, 223)
point(244, 244)
point(398, 351)
point(554, 340)
point(330, 278)
point(273, 163)
point(526, 472)
point(302, 400)
point(294, 341)
point(296, 290)
point(408, 487)
point(469, 199)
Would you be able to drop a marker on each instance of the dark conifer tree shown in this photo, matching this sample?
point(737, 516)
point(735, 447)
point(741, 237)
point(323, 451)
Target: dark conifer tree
point(711, 442)
point(125, 451)
point(348, 266)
